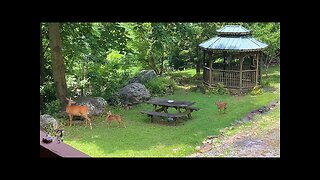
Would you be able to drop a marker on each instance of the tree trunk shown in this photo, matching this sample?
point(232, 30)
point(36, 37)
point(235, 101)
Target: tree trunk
point(83, 77)
point(269, 59)
point(198, 62)
point(58, 66)
point(152, 64)
point(198, 66)
point(41, 68)
point(161, 68)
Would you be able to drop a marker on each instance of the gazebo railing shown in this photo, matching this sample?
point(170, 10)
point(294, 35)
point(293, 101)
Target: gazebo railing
point(248, 78)
point(231, 66)
point(229, 78)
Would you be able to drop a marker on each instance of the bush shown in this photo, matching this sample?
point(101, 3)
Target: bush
point(265, 83)
point(257, 90)
point(220, 89)
point(161, 86)
point(52, 108)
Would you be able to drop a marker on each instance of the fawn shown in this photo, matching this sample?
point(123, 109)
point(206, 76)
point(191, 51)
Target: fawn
point(74, 110)
point(118, 118)
point(221, 105)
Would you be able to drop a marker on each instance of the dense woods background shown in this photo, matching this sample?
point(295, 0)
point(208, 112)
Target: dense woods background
point(97, 59)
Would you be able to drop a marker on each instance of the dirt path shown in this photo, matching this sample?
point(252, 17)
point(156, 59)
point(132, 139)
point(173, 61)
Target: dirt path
point(259, 138)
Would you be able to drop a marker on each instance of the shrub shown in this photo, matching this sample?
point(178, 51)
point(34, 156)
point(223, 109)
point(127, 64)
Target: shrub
point(49, 129)
point(161, 86)
point(52, 108)
point(265, 83)
point(199, 87)
point(257, 90)
point(220, 89)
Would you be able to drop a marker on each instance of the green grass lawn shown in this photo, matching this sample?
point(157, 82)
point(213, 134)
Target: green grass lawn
point(144, 139)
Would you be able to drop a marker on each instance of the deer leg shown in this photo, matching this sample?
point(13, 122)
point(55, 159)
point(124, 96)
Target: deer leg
point(89, 122)
point(87, 119)
point(70, 117)
point(123, 124)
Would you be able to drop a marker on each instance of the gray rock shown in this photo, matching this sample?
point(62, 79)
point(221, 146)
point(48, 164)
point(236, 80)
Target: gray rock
point(96, 105)
point(48, 121)
point(143, 77)
point(245, 119)
point(134, 93)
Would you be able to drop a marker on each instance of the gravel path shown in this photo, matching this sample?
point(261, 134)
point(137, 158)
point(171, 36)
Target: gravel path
point(255, 140)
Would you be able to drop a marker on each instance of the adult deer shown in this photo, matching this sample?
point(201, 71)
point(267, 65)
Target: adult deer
point(74, 110)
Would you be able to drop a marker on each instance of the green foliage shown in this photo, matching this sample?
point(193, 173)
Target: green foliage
point(75, 85)
point(160, 86)
point(52, 108)
point(268, 33)
point(220, 89)
point(49, 129)
point(107, 80)
point(47, 91)
point(265, 83)
point(112, 52)
point(257, 90)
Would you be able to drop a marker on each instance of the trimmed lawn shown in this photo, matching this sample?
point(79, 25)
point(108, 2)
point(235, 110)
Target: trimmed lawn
point(144, 139)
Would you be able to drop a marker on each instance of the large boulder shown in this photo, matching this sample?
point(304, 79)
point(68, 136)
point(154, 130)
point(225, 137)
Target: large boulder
point(144, 76)
point(134, 93)
point(48, 122)
point(96, 105)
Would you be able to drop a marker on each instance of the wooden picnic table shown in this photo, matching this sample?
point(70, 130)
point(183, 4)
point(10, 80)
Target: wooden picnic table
point(164, 104)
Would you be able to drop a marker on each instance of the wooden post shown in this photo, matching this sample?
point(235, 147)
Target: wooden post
point(204, 60)
point(257, 69)
point(210, 67)
point(260, 67)
point(240, 75)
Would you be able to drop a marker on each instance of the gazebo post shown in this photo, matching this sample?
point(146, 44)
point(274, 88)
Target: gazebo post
point(210, 67)
point(204, 62)
point(240, 76)
point(260, 69)
point(257, 68)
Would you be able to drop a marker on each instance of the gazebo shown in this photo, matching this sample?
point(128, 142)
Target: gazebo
point(233, 59)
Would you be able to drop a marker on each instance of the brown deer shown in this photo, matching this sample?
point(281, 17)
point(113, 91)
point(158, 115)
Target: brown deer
point(221, 105)
point(113, 117)
point(74, 110)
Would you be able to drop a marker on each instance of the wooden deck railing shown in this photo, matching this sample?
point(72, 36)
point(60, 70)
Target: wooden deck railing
point(58, 150)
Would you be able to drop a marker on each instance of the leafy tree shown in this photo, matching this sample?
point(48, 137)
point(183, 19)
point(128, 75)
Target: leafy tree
point(268, 33)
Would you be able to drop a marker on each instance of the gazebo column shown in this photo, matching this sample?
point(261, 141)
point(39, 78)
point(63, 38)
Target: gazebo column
point(257, 68)
point(210, 67)
point(204, 63)
point(240, 75)
point(260, 67)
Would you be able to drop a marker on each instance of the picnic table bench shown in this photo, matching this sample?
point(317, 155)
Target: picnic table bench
point(165, 104)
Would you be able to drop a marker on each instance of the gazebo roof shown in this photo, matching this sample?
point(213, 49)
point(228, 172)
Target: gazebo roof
point(233, 38)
